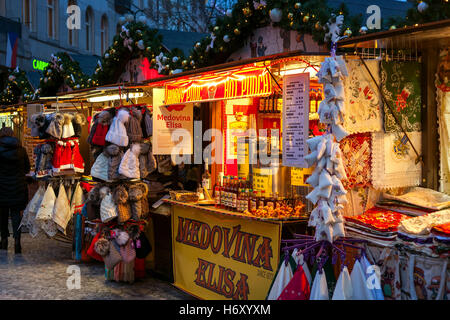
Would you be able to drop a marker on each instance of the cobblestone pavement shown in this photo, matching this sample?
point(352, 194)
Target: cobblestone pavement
point(40, 273)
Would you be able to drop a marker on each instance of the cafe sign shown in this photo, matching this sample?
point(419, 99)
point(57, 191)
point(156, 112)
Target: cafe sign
point(243, 83)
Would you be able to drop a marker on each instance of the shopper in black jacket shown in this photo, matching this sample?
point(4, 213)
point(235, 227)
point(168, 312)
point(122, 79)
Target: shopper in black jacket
point(14, 165)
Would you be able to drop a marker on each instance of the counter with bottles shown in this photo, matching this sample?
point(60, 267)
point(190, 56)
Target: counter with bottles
point(213, 209)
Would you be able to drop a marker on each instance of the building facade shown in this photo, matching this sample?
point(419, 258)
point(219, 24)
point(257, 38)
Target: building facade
point(43, 30)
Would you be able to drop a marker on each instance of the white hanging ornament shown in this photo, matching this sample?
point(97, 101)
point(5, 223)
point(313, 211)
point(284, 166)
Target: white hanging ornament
point(106, 55)
point(226, 38)
point(122, 20)
point(422, 6)
point(175, 59)
point(11, 78)
point(229, 13)
point(142, 19)
point(276, 15)
point(363, 30)
point(140, 44)
point(129, 17)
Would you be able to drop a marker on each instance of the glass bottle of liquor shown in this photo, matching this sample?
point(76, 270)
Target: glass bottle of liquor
point(253, 202)
point(224, 193)
point(245, 203)
point(217, 192)
point(206, 177)
point(262, 200)
point(270, 201)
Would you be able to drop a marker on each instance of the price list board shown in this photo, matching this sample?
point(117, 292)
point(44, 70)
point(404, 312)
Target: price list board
point(295, 119)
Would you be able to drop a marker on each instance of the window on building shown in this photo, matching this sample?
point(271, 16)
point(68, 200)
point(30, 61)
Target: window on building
point(104, 33)
point(52, 18)
point(73, 33)
point(89, 27)
point(28, 13)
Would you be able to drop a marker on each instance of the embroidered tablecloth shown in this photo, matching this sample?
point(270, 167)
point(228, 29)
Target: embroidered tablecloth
point(357, 157)
point(379, 219)
point(400, 84)
point(394, 160)
point(363, 104)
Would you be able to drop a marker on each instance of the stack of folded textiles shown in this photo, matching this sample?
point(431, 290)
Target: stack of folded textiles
point(376, 225)
point(441, 235)
point(424, 233)
point(416, 201)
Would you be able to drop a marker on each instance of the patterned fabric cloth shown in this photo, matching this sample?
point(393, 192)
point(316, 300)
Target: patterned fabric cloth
point(357, 159)
point(394, 160)
point(422, 225)
point(401, 87)
point(362, 100)
point(379, 219)
point(443, 230)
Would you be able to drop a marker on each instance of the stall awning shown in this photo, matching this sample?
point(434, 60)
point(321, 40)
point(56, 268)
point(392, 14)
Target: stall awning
point(418, 35)
point(237, 79)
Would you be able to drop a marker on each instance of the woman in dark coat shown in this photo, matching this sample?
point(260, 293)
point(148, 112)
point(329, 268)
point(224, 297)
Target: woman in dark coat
point(14, 165)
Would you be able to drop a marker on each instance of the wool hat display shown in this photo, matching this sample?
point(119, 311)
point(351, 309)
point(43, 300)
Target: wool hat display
point(121, 237)
point(143, 160)
point(78, 121)
point(77, 159)
point(91, 251)
point(127, 251)
point(120, 197)
point(99, 169)
point(129, 166)
point(144, 201)
point(67, 130)
point(42, 122)
point(147, 124)
point(93, 204)
point(55, 127)
point(61, 210)
point(115, 155)
point(108, 209)
point(100, 128)
point(135, 195)
point(142, 246)
point(117, 132)
point(134, 129)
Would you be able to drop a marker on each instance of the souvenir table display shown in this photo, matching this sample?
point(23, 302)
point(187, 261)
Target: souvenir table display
point(117, 207)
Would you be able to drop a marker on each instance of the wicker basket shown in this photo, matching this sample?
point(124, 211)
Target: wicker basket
point(184, 196)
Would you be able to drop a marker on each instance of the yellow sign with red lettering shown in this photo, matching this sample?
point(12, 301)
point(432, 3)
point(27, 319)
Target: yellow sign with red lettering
point(219, 257)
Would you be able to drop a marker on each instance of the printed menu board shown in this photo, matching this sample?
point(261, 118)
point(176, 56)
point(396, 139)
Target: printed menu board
point(295, 119)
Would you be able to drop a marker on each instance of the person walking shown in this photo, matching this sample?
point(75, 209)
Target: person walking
point(14, 165)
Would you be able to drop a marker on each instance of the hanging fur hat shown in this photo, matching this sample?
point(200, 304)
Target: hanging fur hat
point(55, 128)
point(78, 121)
point(144, 201)
point(102, 247)
point(115, 155)
point(147, 124)
point(143, 160)
point(68, 130)
point(129, 166)
point(42, 122)
point(120, 197)
point(117, 132)
point(135, 195)
point(134, 129)
point(122, 237)
point(93, 203)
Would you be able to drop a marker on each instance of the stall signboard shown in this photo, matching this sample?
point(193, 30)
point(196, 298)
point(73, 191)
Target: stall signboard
point(249, 82)
point(295, 119)
point(175, 127)
point(299, 176)
point(223, 257)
